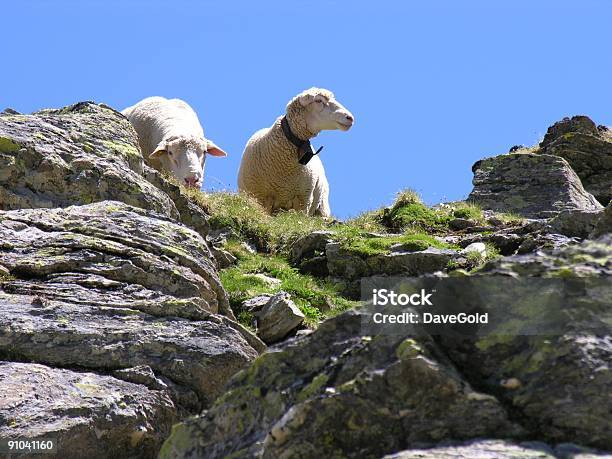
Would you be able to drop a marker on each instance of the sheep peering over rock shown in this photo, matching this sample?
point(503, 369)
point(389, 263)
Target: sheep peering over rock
point(275, 168)
point(171, 138)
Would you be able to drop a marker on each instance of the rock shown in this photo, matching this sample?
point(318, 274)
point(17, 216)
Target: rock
point(109, 287)
point(587, 149)
point(479, 449)
point(576, 223)
point(563, 368)
point(604, 225)
point(223, 258)
point(154, 264)
point(141, 374)
point(255, 304)
point(500, 449)
point(542, 241)
point(338, 393)
point(309, 245)
point(87, 414)
point(460, 223)
point(475, 247)
point(78, 154)
point(315, 266)
point(531, 185)
point(350, 267)
point(277, 318)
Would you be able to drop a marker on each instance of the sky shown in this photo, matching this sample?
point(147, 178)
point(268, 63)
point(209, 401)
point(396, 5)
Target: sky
point(434, 85)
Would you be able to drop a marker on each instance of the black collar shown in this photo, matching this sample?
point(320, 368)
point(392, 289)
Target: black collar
point(305, 150)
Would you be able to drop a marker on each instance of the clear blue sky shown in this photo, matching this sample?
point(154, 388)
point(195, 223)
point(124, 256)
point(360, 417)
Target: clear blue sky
point(434, 85)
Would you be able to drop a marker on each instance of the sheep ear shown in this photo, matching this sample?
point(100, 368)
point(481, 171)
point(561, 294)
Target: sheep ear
point(214, 150)
point(160, 149)
point(306, 99)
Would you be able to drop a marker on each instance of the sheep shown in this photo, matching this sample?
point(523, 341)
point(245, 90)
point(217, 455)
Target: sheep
point(171, 138)
point(277, 166)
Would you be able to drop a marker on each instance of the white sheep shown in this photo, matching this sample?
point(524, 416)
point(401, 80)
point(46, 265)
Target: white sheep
point(277, 166)
point(171, 138)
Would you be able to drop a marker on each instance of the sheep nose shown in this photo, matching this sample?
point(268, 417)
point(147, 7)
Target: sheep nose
point(191, 182)
point(349, 117)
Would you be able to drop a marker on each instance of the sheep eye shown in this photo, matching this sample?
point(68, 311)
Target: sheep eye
point(169, 152)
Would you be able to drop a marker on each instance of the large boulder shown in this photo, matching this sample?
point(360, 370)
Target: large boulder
point(555, 342)
point(87, 414)
point(353, 390)
point(531, 185)
point(339, 393)
point(604, 224)
point(78, 154)
point(587, 148)
point(348, 267)
point(107, 287)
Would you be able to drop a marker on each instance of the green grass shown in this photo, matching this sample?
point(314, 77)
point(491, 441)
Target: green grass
point(316, 298)
point(412, 242)
point(467, 210)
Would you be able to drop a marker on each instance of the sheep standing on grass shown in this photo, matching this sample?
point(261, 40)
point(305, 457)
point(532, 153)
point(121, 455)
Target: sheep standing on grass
point(277, 166)
point(171, 138)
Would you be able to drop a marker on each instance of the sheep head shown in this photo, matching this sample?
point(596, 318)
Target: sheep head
point(316, 110)
point(184, 157)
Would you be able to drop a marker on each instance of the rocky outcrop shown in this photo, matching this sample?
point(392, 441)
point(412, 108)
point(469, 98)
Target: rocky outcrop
point(347, 268)
point(108, 286)
point(500, 449)
point(604, 224)
point(531, 185)
point(86, 414)
point(114, 322)
point(348, 392)
point(75, 155)
point(337, 393)
point(588, 150)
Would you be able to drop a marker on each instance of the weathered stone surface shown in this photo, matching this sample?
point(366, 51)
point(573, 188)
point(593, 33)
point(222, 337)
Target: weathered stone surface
point(336, 393)
point(109, 287)
point(604, 224)
point(87, 414)
point(564, 376)
point(79, 154)
point(309, 245)
point(576, 223)
point(110, 246)
point(531, 185)
point(587, 148)
point(350, 267)
point(277, 318)
point(500, 449)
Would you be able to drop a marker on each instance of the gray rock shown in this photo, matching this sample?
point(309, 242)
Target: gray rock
point(564, 391)
point(74, 155)
point(87, 414)
point(576, 223)
point(480, 449)
point(460, 223)
point(349, 267)
point(223, 258)
point(255, 304)
point(309, 245)
point(315, 266)
point(588, 150)
point(141, 374)
point(501, 449)
point(111, 287)
point(337, 393)
point(531, 185)
point(277, 318)
point(604, 225)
